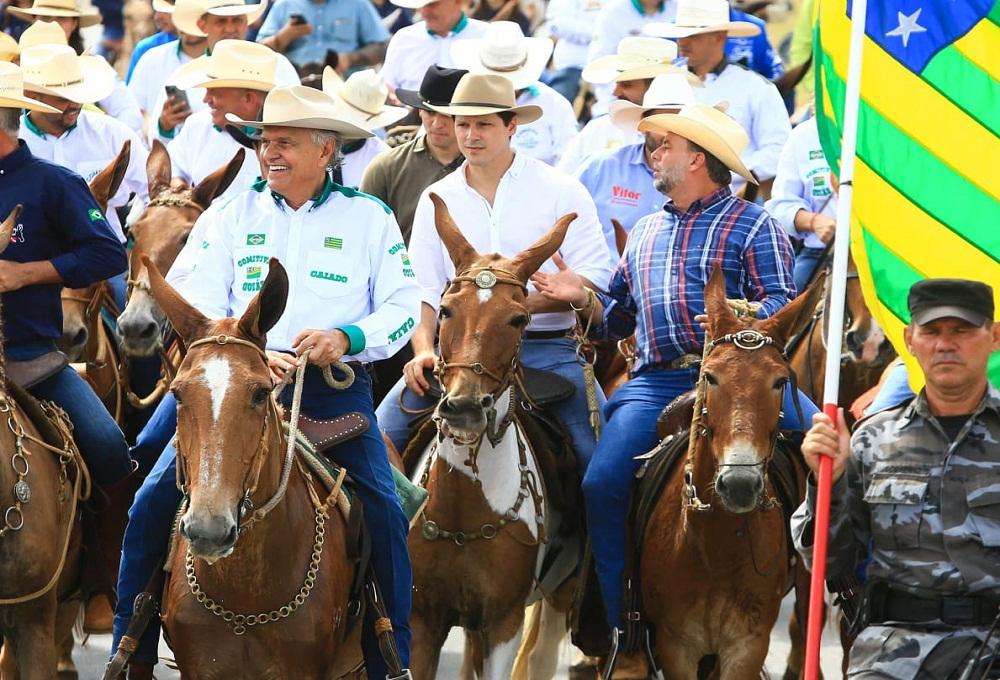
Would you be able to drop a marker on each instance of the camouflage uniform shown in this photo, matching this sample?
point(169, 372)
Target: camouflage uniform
point(930, 510)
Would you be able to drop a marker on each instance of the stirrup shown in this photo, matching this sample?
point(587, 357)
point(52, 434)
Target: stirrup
point(609, 665)
point(405, 675)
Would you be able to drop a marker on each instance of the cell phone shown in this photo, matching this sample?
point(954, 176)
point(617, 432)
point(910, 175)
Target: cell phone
point(177, 94)
point(297, 19)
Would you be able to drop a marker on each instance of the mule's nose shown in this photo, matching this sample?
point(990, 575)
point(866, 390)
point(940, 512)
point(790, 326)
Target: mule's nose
point(854, 342)
point(459, 405)
point(73, 343)
point(740, 489)
point(211, 536)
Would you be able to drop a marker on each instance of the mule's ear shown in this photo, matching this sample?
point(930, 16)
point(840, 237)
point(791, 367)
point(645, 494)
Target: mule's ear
point(7, 228)
point(189, 323)
point(462, 254)
point(158, 169)
point(721, 317)
point(216, 183)
point(621, 236)
point(267, 306)
point(105, 183)
point(527, 262)
point(791, 318)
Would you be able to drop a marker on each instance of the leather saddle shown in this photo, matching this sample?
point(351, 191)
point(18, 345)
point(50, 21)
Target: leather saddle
point(325, 434)
point(33, 371)
point(543, 387)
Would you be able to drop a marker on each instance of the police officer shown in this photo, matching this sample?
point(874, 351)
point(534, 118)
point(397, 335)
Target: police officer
point(916, 493)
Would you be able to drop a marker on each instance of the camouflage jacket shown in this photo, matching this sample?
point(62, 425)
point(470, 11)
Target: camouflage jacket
point(930, 511)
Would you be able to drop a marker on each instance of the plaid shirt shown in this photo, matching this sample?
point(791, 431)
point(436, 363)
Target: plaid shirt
point(659, 284)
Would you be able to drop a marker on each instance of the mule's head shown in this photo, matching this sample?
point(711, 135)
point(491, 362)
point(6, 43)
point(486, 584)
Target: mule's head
point(159, 234)
point(744, 376)
point(225, 415)
point(864, 340)
point(483, 315)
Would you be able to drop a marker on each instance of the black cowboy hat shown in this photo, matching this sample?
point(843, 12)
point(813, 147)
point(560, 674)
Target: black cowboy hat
point(436, 89)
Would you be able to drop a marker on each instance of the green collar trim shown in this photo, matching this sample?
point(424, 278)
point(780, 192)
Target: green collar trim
point(28, 123)
point(642, 12)
point(460, 25)
point(329, 186)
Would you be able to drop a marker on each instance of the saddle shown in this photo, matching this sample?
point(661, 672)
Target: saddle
point(52, 422)
point(33, 371)
point(325, 434)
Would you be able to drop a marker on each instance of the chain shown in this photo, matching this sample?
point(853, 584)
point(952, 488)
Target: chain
point(13, 517)
point(241, 622)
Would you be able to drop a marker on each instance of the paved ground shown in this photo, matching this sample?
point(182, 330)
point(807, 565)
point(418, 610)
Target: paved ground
point(91, 658)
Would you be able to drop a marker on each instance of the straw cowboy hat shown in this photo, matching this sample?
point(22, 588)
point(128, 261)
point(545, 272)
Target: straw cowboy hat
point(701, 16)
point(58, 71)
point(12, 91)
point(300, 106)
point(504, 51)
point(187, 12)
point(671, 91)
point(362, 98)
point(233, 63)
point(9, 48)
point(479, 94)
point(709, 128)
point(163, 6)
point(54, 9)
point(42, 33)
point(637, 58)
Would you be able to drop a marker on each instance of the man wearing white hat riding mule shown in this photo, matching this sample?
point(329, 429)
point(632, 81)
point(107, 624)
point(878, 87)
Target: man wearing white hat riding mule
point(621, 181)
point(630, 71)
point(414, 49)
point(504, 51)
point(502, 201)
point(701, 29)
point(703, 226)
point(351, 293)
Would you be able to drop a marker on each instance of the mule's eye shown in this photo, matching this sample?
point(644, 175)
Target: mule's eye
point(519, 321)
point(444, 312)
point(259, 397)
point(710, 379)
point(780, 383)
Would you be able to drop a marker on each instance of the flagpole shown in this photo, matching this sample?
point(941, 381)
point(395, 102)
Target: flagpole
point(835, 331)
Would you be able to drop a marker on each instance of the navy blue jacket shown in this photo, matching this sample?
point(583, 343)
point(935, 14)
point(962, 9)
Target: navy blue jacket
point(61, 222)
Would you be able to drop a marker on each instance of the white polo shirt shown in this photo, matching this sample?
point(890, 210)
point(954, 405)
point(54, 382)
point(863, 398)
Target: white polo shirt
point(87, 148)
point(547, 137)
point(122, 106)
point(346, 262)
point(598, 136)
point(356, 163)
point(530, 199)
point(572, 23)
point(802, 183)
point(413, 49)
point(151, 73)
point(200, 148)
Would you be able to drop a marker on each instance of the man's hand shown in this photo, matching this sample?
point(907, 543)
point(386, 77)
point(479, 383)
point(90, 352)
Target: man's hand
point(824, 227)
point(823, 440)
point(12, 276)
point(564, 286)
point(326, 346)
point(702, 320)
point(292, 31)
point(174, 113)
point(280, 364)
point(413, 372)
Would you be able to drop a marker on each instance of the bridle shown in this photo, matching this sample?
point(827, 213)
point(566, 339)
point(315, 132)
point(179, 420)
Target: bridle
point(165, 199)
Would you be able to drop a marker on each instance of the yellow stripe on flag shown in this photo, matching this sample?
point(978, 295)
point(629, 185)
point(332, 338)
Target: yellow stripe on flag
point(981, 46)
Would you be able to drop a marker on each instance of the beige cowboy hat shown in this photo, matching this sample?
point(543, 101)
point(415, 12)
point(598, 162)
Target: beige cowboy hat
point(701, 16)
point(187, 12)
point(9, 49)
point(637, 58)
point(58, 71)
point(42, 33)
point(54, 9)
point(479, 94)
point(163, 6)
point(303, 107)
point(671, 91)
point(12, 91)
point(362, 98)
point(709, 128)
point(233, 63)
point(411, 4)
point(504, 51)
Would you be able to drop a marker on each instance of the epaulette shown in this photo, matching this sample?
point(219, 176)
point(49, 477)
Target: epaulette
point(401, 134)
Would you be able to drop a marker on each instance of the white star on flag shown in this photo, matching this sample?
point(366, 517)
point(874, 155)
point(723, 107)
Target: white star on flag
point(907, 25)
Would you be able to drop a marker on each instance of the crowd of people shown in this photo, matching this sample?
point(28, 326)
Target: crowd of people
point(670, 118)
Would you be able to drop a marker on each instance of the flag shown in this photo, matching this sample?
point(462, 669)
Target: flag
point(926, 182)
point(333, 242)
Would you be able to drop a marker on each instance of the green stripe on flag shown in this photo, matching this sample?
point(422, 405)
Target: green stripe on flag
point(966, 85)
point(994, 14)
point(892, 276)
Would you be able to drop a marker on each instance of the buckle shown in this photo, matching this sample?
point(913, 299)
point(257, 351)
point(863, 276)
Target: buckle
point(633, 616)
point(960, 611)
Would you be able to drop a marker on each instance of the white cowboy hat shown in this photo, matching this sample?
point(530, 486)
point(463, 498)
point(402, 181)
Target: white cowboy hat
point(479, 94)
point(12, 91)
point(187, 12)
point(42, 33)
point(411, 4)
point(53, 9)
point(504, 51)
point(233, 63)
point(671, 91)
point(701, 16)
point(9, 49)
point(637, 58)
point(163, 6)
point(709, 128)
point(362, 98)
point(302, 107)
point(57, 70)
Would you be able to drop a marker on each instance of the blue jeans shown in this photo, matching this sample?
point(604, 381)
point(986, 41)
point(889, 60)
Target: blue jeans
point(152, 513)
point(631, 416)
point(565, 81)
point(895, 390)
point(805, 264)
point(557, 355)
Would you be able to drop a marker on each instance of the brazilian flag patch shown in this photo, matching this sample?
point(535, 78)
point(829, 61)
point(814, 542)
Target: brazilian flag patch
point(94, 214)
point(335, 243)
point(255, 239)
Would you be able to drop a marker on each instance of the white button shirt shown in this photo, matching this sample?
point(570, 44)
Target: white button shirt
point(151, 73)
point(346, 262)
point(357, 162)
point(122, 105)
point(89, 147)
point(546, 138)
point(530, 199)
point(802, 183)
point(598, 136)
point(412, 50)
point(755, 104)
point(199, 149)
point(572, 23)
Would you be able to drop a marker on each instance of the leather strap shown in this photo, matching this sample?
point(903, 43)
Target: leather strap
point(33, 371)
point(325, 434)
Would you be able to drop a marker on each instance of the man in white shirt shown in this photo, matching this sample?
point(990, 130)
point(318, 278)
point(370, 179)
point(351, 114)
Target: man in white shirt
point(571, 24)
point(151, 72)
point(352, 297)
point(502, 201)
point(417, 47)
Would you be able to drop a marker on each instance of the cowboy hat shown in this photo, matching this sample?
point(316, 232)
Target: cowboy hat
point(9, 48)
point(163, 6)
point(637, 58)
point(362, 98)
point(671, 91)
point(42, 33)
point(437, 87)
point(709, 128)
point(58, 71)
point(479, 94)
point(53, 9)
point(701, 16)
point(12, 91)
point(504, 51)
point(411, 4)
point(300, 106)
point(187, 12)
point(233, 63)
